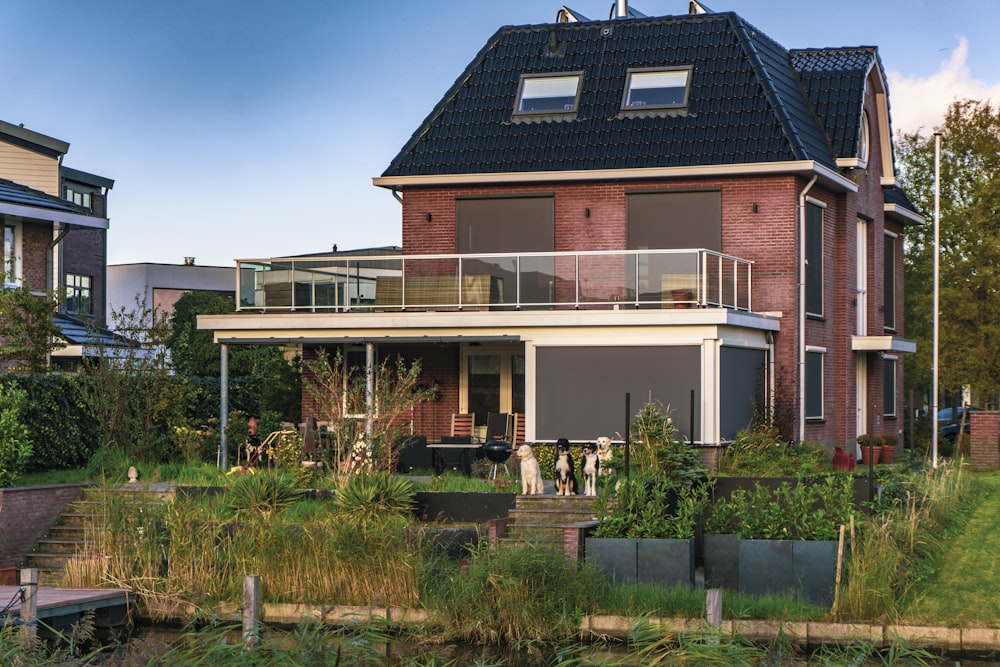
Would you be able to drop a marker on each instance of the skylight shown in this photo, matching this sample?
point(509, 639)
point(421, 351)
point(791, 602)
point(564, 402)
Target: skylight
point(548, 94)
point(659, 88)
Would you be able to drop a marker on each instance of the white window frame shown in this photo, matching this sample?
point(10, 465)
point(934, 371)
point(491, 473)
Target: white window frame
point(555, 81)
point(76, 289)
point(822, 253)
point(821, 351)
point(12, 265)
point(889, 309)
point(864, 140)
point(646, 78)
point(890, 410)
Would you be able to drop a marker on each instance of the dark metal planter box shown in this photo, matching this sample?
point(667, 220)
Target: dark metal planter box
point(462, 506)
point(665, 562)
point(722, 561)
point(805, 568)
point(627, 561)
point(615, 558)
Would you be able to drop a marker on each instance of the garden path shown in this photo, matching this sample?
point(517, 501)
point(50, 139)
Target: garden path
point(964, 589)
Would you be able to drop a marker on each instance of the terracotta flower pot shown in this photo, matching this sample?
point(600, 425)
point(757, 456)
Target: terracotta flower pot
point(888, 453)
point(870, 453)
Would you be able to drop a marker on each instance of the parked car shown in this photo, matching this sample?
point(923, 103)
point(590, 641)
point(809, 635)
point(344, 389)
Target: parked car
point(949, 421)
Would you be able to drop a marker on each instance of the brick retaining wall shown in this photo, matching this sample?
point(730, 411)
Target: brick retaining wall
point(26, 513)
point(984, 440)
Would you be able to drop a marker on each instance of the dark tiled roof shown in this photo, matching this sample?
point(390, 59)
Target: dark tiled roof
point(15, 193)
point(895, 195)
point(834, 80)
point(746, 102)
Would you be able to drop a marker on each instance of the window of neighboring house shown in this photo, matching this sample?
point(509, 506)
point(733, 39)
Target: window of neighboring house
point(77, 197)
point(11, 265)
point(889, 385)
point(78, 294)
point(548, 93)
point(656, 88)
point(864, 140)
point(814, 382)
point(814, 258)
point(889, 281)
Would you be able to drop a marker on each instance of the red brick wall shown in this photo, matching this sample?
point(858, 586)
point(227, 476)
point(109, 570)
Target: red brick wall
point(26, 514)
point(34, 254)
point(984, 440)
point(85, 254)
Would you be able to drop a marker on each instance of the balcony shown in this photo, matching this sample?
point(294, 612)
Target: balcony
point(599, 280)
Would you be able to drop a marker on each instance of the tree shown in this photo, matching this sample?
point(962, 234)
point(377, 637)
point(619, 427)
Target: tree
point(969, 325)
point(27, 329)
point(339, 394)
point(271, 382)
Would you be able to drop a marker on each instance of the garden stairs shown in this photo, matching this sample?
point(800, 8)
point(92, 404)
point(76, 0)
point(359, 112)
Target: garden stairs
point(543, 519)
point(67, 540)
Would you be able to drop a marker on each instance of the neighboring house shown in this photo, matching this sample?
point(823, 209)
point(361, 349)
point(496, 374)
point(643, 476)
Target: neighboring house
point(55, 224)
point(150, 285)
point(673, 208)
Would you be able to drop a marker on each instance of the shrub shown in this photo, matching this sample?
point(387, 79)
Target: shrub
point(62, 431)
point(657, 448)
point(263, 493)
point(760, 452)
point(660, 509)
point(366, 497)
point(794, 511)
point(15, 448)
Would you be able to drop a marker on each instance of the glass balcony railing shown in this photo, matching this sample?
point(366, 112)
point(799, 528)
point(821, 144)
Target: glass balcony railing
point(540, 281)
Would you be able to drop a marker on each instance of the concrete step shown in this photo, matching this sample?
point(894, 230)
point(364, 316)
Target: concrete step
point(50, 545)
point(552, 501)
point(549, 517)
point(67, 532)
point(51, 561)
point(529, 532)
point(556, 544)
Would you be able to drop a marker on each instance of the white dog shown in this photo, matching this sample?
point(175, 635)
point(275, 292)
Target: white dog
point(604, 454)
point(591, 466)
point(531, 474)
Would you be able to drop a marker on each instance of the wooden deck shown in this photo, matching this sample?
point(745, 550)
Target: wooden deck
point(59, 603)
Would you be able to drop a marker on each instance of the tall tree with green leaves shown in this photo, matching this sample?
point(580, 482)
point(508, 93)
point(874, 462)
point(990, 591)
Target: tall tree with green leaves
point(969, 325)
point(261, 370)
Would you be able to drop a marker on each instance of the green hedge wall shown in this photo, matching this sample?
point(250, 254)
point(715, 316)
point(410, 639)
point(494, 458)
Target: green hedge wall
point(62, 431)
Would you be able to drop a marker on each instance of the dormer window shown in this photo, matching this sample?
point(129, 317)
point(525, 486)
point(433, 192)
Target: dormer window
point(864, 141)
point(546, 93)
point(656, 88)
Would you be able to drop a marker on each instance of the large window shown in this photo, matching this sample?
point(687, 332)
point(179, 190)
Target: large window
point(814, 258)
point(77, 197)
point(889, 283)
point(657, 89)
point(79, 294)
point(814, 382)
point(889, 385)
point(548, 94)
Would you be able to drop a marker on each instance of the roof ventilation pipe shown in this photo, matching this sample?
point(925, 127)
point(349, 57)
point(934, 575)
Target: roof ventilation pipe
point(621, 11)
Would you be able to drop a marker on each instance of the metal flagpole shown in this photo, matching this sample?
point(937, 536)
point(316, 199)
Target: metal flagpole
point(937, 268)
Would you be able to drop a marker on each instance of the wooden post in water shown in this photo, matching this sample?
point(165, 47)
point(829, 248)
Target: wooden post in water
point(713, 607)
point(251, 611)
point(29, 606)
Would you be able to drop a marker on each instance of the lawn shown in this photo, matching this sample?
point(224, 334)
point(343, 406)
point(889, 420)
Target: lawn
point(963, 590)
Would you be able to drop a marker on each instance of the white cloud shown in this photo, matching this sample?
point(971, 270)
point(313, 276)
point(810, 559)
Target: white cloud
point(920, 104)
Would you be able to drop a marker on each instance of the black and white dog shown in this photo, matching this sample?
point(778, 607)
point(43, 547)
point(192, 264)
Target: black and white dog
point(565, 475)
point(590, 467)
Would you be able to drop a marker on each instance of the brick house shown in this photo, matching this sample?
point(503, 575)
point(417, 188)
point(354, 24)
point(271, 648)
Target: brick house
point(55, 224)
point(675, 208)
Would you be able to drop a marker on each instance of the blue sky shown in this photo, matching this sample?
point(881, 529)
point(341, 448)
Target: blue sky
point(253, 128)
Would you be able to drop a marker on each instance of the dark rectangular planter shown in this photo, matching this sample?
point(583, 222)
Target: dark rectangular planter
point(722, 561)
point(462, 506)
point(804, 568)
point(766, 567)
point(815, 564)
point(614, 557)
point(665, 562)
